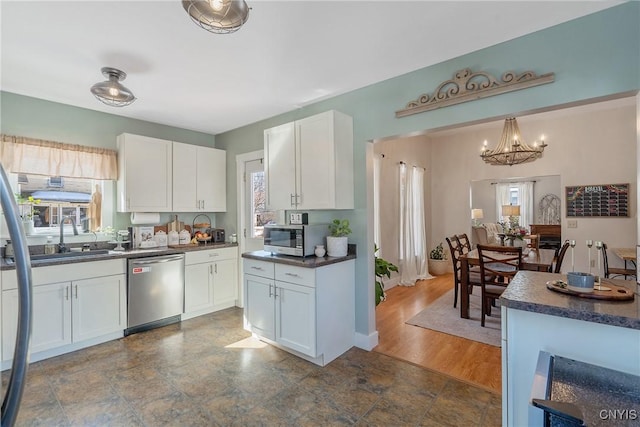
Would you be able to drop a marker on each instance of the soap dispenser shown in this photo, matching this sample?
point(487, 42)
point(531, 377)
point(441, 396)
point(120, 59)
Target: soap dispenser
point(49, 247)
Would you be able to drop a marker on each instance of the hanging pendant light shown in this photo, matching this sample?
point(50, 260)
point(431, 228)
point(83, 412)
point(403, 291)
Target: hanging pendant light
point(218, 16)
point(512, 150)
point(111, 92)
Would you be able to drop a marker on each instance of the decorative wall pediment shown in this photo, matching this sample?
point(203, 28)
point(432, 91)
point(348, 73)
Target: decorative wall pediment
point(467, 85)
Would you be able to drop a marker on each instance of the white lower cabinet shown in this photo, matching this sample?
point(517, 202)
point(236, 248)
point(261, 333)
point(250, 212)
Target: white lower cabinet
point(67, 315)
point(308, 311)
point(210, 281)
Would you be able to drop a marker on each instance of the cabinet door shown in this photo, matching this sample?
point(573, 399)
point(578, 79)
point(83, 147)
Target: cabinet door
point(225, 284)
point(315, 156)
point(212, 179)
point(259, 308)
point(51, 324)
point(280, 166)
point(185, 197)
point(198, 287)
point(98, 306)
point(296, 317)
point(144, 180)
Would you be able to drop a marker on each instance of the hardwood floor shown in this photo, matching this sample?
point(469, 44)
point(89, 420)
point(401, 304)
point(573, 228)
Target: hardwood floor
point(463, 359)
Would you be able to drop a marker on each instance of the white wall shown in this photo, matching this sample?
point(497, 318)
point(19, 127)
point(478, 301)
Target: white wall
point(483, 195)
point(414, 151)
point(587, 146)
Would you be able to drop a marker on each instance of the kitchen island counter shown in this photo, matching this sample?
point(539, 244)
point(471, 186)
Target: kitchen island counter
point(528, 292)
point(536, 319)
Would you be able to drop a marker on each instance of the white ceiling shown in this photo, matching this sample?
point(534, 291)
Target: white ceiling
point(289, 53)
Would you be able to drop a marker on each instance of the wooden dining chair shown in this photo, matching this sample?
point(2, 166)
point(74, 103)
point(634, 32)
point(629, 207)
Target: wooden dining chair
point(611, 272)
point(498, 265)
point(560, 257)
point(456, 249)
point(465, 243)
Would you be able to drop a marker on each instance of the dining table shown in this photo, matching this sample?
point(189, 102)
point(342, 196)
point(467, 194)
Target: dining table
point(626, 254)
point(532, 259)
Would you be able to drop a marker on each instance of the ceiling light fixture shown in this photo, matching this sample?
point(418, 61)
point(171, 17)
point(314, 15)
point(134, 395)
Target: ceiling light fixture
point(111, 92)
point(512, 150)
point(218, 16)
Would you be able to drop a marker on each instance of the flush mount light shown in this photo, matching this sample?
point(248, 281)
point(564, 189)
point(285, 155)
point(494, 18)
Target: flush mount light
point(112, 92)
point(218, 16)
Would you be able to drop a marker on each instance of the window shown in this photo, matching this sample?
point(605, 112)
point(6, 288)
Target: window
point(47, 200)
point(260, 216)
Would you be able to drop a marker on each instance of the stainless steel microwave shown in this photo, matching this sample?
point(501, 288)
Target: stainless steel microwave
point(294, 239)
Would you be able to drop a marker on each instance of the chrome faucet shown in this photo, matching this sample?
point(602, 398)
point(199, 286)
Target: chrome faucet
point(61, 247)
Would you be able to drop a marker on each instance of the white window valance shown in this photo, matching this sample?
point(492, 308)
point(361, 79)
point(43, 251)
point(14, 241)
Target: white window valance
point(36, 156)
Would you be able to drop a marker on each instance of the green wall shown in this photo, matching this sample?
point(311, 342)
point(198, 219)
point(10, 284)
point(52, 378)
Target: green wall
point(37, 118)
point(592, 57)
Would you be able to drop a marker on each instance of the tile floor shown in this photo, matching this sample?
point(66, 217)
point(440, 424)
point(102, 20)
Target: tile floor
point(208, 371)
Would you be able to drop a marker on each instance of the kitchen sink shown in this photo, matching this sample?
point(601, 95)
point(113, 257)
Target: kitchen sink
point(68, 255)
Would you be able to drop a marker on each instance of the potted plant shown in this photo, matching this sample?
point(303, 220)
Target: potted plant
point(383, 268)
point(27, 206)
point(337, 241)
point(438, 263)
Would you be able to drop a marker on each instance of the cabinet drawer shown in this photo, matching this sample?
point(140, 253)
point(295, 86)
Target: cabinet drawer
point(298, 275)
point(198, 257)
point(66, 272)
point(258, 268)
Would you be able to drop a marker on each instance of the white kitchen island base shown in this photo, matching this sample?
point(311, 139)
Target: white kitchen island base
point(307, 310)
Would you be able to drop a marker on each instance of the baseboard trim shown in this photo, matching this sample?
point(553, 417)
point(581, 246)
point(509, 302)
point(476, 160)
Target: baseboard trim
point(366, 342)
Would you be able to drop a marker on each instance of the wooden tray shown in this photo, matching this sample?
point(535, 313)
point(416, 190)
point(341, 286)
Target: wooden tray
point(617, 293)
point(188, 245)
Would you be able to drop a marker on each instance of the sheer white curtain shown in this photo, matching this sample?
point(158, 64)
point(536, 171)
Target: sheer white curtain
point(525, 194)
point(525, 200)
point(377, 166)
point(502, 198)
point(413, 239)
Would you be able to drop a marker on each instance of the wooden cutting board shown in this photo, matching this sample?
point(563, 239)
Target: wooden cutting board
point(617, 293)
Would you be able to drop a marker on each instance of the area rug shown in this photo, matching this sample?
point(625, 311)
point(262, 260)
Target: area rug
point(442, 317)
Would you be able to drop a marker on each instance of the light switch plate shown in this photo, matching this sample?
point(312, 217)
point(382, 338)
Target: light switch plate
point(572, 223)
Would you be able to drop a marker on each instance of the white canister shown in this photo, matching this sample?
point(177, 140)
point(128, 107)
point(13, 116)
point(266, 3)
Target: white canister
point(161, 239)
point(185, 237)
point(320, 251)
point(173, 238)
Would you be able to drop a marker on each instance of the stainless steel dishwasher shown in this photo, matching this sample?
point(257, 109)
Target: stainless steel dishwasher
point(155, 292)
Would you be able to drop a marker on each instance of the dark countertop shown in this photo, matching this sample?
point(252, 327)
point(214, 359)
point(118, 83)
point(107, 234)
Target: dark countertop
point(6, 264)
point(528, 292)
point(594, 389)
point(308, 262)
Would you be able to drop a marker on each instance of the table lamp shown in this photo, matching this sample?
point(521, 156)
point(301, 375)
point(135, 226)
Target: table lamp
point(513, 212)
point(476, 214)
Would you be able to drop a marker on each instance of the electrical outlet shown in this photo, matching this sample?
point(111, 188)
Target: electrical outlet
point(572, 223)
point(593, 263)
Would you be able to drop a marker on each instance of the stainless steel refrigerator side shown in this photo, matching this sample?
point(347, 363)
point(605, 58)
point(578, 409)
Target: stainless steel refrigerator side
point(15, 388)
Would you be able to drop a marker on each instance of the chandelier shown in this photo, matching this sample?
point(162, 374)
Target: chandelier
point(512, 150)
point(112, 92)
point(218, 16)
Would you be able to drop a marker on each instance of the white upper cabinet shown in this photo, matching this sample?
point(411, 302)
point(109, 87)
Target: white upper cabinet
point(309, 163)
point(199, 179)
point(155, 175)
point(280, 166)
point(144, 174)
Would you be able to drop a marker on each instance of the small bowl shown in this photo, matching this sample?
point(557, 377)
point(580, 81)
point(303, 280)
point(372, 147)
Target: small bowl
point(580, 282)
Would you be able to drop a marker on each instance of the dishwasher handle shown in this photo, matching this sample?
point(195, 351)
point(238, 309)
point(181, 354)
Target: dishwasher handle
point(157, 259)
